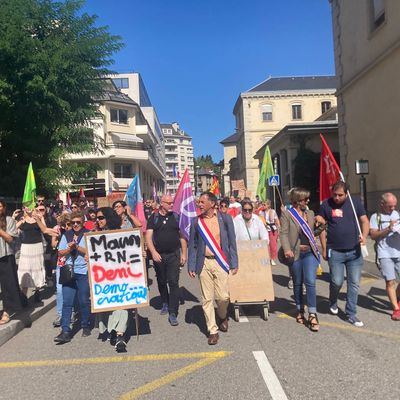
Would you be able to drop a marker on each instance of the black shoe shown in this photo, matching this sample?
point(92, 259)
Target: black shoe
point(86, 332)
point(63, 337)
point(37, 297)
point(120, 345)
point(112, 337)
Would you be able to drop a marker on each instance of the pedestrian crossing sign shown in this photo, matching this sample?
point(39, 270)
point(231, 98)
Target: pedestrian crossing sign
point(273, 180)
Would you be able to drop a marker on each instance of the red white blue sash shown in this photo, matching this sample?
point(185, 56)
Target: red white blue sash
point(307, 231)
point(212, 244)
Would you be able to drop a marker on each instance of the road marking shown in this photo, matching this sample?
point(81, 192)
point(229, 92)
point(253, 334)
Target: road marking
point(269, 376)
point(243, 318)
point(101, 360)
point(351, 328)
point(149, 387)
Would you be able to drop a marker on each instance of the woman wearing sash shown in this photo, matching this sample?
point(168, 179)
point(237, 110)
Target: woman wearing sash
point(298, 242)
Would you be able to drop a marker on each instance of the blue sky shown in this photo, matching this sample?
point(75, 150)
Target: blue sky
point(196, 56)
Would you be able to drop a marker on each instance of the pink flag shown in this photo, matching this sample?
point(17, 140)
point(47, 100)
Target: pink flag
point(329, 171)
point(81, 193)
point(185, 205)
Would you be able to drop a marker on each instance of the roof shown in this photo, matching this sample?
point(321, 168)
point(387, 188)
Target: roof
point(174, 131)
point(116, 97)
point(230, 139)
point(204, 171)
point(295, 83)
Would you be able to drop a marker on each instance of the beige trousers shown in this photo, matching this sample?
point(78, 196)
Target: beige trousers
point(214, 285)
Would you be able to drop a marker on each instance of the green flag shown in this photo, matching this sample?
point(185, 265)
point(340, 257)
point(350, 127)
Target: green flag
point(267, 170)
point(29, 199)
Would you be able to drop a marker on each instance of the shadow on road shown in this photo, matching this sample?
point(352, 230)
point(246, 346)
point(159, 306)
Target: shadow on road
point(195, 316)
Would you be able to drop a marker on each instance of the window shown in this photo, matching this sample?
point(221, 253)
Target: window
point(119, 116)
point(296, 111)
point(182, 158)
point(378, 13)
point(121, 83)
point(325, 106)
point(122, 170)
point(266, 110)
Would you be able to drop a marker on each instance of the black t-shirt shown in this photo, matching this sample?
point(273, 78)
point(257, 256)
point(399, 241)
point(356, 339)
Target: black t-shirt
point(31, 233)
point(165, 232)
point(343, 232)
point(148, 210)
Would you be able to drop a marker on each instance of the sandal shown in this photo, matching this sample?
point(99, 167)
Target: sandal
point(5, 318)
point(313, 322)
point(300, 317)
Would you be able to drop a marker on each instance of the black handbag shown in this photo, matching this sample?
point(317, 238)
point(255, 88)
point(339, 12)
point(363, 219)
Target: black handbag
point(288, 261)
point(67, 274)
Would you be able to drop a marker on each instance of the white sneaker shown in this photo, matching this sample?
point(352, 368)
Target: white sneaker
point(355, 321)
point(273, 262)
point(334, 310)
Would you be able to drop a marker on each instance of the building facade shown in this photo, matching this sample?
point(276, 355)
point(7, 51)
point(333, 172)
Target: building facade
point(178, 149)
point(133, 139)
point(367, 59)
point(265, 109)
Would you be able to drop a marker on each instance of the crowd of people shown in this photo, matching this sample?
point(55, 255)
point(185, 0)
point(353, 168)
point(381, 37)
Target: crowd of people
point(40, 246)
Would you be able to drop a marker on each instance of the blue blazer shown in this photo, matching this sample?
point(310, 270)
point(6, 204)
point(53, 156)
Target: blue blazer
point(197, 246)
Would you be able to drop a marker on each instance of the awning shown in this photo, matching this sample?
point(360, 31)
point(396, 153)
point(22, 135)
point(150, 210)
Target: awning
point(127, 137)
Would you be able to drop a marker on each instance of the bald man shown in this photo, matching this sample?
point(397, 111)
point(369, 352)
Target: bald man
point(168, 249)
point(385, 230)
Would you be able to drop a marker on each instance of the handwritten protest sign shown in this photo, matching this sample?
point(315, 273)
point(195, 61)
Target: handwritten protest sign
point(117, 274)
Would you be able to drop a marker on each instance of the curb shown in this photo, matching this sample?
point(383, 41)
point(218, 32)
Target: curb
point(15, 326)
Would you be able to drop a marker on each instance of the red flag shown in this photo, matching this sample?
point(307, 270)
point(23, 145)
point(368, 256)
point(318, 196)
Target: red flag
point(329, 171)
point(81, 193)
point(68, 200)
point(214, 187)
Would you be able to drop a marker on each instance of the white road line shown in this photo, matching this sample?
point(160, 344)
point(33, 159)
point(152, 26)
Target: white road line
point(269, 376)
point(243, 318)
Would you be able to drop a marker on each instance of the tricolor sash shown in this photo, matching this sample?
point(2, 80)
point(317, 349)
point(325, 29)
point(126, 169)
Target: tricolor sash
point(212, 245)
point(307, 231)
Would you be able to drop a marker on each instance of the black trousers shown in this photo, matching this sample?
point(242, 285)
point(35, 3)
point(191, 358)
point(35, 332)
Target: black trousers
point(9, 284)
point(167, 272)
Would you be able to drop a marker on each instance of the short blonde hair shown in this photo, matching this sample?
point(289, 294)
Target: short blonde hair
point(297, 194)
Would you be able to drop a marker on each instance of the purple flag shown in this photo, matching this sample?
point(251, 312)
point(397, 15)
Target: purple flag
point(185, 205)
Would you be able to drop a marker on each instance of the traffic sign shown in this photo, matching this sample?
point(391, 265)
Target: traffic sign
point(273, 180)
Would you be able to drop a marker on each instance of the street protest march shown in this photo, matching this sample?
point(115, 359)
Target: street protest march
point(117, 275)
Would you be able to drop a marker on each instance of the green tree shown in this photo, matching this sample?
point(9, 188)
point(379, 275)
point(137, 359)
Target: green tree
point(52, 61)
point(205, 162)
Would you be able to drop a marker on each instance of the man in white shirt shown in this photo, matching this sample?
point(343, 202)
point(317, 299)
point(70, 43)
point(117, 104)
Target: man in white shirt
point(385, 230)
point(233, 203)
point(249, 226)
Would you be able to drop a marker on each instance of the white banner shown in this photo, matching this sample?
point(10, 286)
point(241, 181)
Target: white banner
point(117, 272)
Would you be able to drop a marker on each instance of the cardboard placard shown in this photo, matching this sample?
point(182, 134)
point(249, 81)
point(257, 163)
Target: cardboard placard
point(253, 282)
point(116, 269)
point(238, 185)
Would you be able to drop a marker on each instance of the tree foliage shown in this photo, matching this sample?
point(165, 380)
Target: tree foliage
point(52, 59)
point(205, 162)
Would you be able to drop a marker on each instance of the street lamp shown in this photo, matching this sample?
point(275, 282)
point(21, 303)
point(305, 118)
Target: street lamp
point(362, 168)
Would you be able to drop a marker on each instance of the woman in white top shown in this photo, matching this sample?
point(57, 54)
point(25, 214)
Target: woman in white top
point(249, 226)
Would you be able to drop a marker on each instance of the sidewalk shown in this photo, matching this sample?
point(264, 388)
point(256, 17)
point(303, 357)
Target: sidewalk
point(19, 322)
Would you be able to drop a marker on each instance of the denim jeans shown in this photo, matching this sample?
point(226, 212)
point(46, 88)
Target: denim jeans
point(80, 287)
point(167, 272)
point(59, 295)
point(353, 262)
point(304, 270)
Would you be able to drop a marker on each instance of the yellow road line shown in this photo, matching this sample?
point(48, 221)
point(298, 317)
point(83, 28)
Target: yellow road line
point(149, 387)
point(99, 360)
point(351, 328)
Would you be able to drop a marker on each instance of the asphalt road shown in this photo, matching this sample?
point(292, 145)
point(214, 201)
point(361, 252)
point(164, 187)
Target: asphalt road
point(177, 363)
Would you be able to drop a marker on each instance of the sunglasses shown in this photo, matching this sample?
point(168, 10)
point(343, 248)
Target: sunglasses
point(168, 202)
point(223, 206)
point(101, 217)
point(40, 201)
point(247, 210)
point(76, 222)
